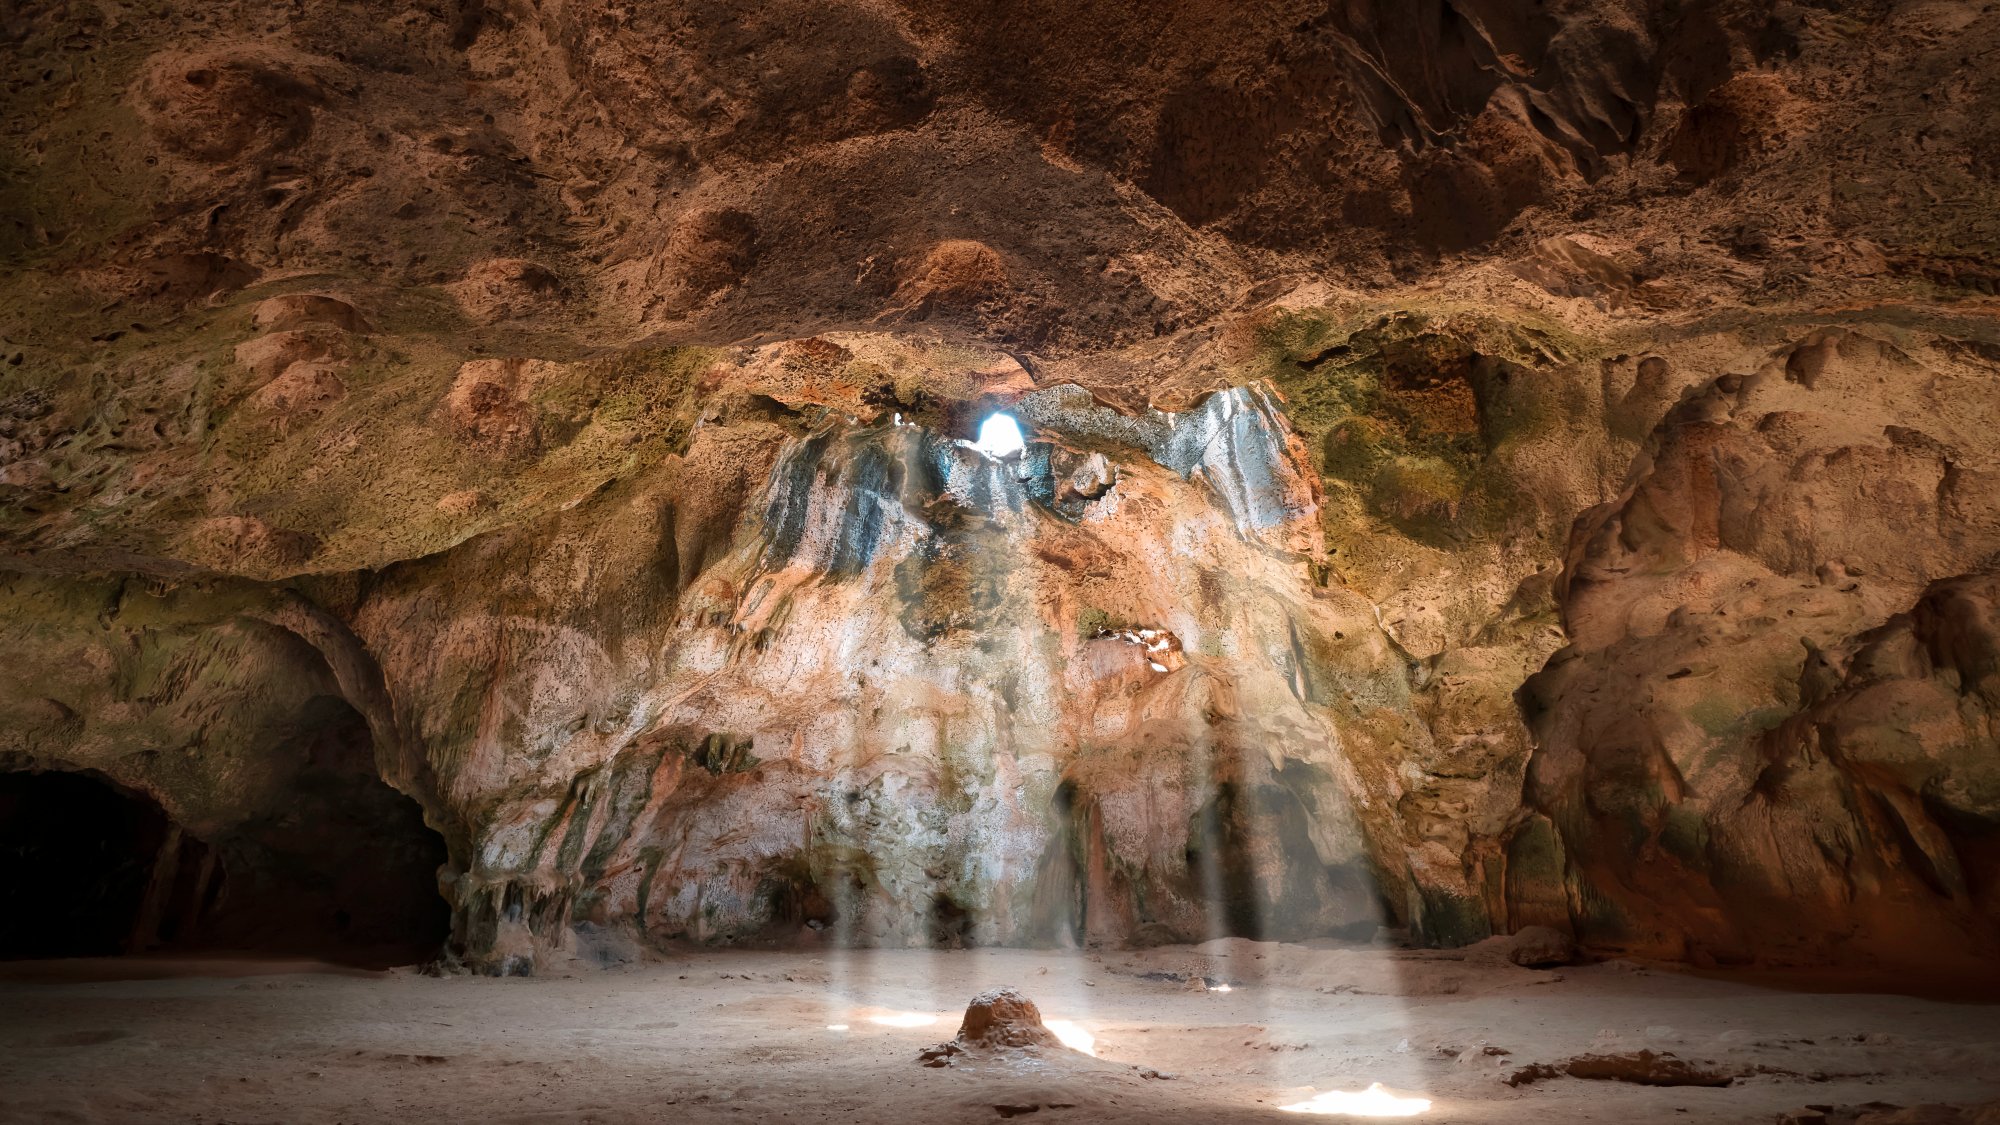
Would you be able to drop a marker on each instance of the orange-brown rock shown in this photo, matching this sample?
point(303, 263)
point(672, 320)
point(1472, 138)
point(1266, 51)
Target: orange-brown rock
point(1489, 465)
point(490, 405)
point(302, 390)
point(295, 310)
point(1001, 1019)
point(251, 543)
point(219, 103)
point(505, 288)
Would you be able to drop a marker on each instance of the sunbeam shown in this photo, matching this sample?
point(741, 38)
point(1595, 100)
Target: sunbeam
point(1372, 1102)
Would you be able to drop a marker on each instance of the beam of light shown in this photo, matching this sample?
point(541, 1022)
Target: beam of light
point(904, 1019)
point(1000, 437)
point(1223, 987)
point(1372, 1102)
point(836, 1027)
point(1070, 1035)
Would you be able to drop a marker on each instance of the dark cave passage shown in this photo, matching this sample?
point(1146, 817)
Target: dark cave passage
point(345, 870)
point(77, 858)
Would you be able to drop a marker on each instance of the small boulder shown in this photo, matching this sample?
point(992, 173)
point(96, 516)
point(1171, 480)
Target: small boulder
point(708, 250)
point(1532, 1073)
point(200, 275)
point(1539, 947)
point(488, 406)
point(229, 103)
point(1004, 1018)
point(1000, 1020)
point(1483, 1056)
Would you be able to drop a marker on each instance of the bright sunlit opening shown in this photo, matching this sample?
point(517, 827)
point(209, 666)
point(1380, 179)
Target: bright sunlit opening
point(1372, 1102)
point(904, 1019)
point(1000, 437)
point(1072, 1036)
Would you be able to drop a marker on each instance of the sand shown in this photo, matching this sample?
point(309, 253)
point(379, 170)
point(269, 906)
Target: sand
point(745, 1037)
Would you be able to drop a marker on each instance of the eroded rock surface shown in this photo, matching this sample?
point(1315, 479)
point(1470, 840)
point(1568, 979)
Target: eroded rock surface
point(1000, 1020)
point(1489, 465)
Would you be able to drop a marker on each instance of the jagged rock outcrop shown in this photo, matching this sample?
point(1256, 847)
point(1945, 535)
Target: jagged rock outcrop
point(1772, 707)
point(1490, 465)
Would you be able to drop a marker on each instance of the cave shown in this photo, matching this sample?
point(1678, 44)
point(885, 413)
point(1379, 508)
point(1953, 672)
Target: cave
point(340, 866)
point(893, 561)
point(80, 861)
point(347, 874)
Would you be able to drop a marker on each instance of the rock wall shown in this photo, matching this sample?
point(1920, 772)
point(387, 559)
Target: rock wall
point(1488, 464)
point(906, 688)
point(1768, 714)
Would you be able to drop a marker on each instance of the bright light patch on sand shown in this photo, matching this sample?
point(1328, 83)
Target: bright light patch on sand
point(904, 1019)
point(1070, 1035)
point(1000, 437)
point(1223, 987)
point(836, 1027)
point(1372, 1102)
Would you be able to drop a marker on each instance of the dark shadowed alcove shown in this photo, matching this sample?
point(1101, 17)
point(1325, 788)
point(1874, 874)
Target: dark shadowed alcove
point(341, 867)
point(76, 859)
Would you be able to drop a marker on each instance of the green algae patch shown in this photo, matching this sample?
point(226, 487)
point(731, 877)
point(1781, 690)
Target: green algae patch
point(1404, 409)
point(151, 435)
point(1443, 919)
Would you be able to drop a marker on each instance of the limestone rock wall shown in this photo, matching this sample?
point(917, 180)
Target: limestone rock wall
point(1764, 718)
point(1490, 464)
point(909, 690)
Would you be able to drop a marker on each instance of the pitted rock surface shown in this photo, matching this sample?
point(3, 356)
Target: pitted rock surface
point(1555, 446)
point(1003, 1018)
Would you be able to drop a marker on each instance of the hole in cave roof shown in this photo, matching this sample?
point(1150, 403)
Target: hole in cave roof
point(1000, 437)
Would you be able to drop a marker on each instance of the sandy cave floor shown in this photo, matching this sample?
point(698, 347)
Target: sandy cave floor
point(743, 1036)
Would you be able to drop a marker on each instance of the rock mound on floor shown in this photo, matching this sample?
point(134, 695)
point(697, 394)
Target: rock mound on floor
point(1539, 947)
point(998, 1020)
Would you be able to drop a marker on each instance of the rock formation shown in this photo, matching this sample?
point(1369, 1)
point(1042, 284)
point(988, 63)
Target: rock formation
point(1000, 1020)
point(1490, 465)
